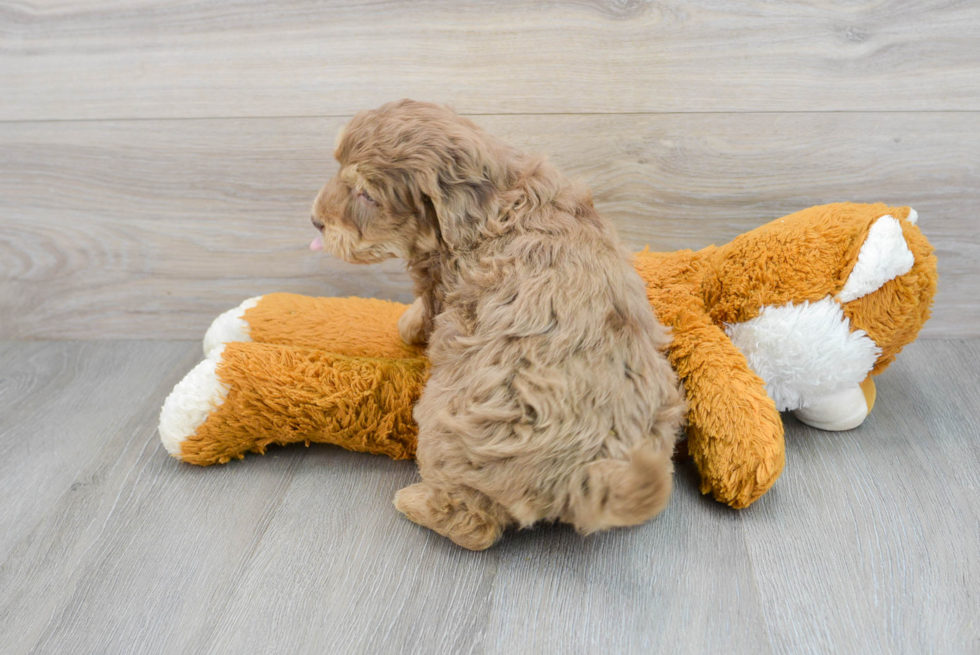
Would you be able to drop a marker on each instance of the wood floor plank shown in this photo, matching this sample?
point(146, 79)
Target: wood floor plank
point(73, 423)
point(67, 410)
point(365, 580)
point(870, 541)
point(109, 546)
point(682, 583)
point(950, 412)
point(169, 556)
point(155, 59)
point(149, 229)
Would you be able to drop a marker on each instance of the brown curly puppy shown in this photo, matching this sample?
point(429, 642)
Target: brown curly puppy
point(548, 397)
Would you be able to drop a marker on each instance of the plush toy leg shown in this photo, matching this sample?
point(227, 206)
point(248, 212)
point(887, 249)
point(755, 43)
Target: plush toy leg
point(843, 410)
point(246, 396)
point(356, 327)
point(735, 434)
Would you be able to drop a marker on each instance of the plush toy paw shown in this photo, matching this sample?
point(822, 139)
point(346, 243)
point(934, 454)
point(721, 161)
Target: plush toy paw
point(738, 471)
point(843, 410)
point(191, 402)
point(230, 326)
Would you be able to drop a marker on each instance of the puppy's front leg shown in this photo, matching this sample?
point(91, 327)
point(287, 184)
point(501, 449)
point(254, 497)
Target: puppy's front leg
point(411, 325)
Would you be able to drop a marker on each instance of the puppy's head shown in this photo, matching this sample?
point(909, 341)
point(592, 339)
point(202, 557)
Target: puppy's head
point(413, 177)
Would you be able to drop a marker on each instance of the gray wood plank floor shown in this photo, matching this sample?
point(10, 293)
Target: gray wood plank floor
point(869, 543)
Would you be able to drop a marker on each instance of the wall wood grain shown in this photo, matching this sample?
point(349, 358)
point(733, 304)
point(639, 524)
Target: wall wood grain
point(149, 229)
point(152, 58)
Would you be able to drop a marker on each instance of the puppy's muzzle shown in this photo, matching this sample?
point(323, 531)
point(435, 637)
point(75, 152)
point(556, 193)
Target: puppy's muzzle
point(317, 224)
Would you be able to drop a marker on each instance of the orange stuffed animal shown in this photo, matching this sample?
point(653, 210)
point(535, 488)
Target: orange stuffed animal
point(795, 315)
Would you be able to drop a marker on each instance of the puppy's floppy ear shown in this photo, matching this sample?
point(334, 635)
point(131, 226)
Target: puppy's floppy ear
point(461, 189)
point(428, 219)
point(338, 141)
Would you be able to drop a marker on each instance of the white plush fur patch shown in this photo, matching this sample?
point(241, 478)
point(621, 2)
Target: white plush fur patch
point(804, 351)
point(230, 326)
point(913, 216)
point(883, 257)
point(188, 405)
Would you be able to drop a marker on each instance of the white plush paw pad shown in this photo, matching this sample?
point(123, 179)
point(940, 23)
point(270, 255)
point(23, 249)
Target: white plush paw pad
point(191, 401)
point(843, 410)
point(230, 326)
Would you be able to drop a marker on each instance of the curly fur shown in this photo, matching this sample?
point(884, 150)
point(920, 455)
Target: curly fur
point(548, 397)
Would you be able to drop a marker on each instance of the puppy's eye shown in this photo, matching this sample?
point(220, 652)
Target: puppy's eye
point(364, 196)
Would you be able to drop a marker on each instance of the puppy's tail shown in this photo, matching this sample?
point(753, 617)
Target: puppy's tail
point(621, 492)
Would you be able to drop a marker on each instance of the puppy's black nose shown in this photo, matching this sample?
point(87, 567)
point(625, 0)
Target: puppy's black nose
point(317, 224)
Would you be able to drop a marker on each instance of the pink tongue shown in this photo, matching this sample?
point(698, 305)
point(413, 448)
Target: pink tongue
point(316, 244)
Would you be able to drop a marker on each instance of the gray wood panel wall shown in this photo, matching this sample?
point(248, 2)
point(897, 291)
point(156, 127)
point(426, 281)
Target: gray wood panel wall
point(158, 160)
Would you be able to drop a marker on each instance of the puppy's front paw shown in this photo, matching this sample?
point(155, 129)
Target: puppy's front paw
point(411, 325)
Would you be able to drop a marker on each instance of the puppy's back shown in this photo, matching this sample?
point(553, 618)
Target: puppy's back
point(548, 393)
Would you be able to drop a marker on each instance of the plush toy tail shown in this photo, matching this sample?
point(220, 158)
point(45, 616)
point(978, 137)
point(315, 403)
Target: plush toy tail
point(246, 396)
point(619, 493)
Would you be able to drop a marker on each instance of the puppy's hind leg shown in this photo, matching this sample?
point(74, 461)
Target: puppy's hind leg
point(471, 519)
